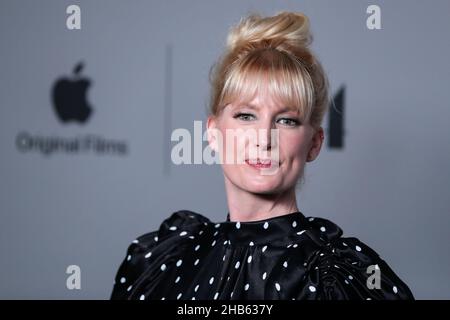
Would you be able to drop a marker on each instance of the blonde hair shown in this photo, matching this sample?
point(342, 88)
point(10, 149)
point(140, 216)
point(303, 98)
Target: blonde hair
point(272, 51)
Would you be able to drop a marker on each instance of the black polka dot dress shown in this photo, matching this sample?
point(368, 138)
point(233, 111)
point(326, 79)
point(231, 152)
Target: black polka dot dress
point(288, 257)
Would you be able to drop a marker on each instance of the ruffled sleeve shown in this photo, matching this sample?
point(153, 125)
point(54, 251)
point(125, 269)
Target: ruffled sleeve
point(346, 268)
point(149, 252)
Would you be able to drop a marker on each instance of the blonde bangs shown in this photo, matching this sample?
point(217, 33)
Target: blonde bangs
point(285, 78)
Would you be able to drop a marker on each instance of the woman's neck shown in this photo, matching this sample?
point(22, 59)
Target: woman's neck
point(246, 206)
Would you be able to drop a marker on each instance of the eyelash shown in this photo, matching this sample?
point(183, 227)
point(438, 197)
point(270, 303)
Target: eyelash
point(239, 114)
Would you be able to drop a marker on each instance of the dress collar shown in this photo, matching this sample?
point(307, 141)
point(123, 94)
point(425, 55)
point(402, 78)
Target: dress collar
point(282, 228)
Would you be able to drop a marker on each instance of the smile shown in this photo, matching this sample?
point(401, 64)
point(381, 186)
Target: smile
point(260, 163)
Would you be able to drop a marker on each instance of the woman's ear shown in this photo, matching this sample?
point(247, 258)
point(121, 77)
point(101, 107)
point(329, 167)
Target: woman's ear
point(316, 145)
point(211, 126)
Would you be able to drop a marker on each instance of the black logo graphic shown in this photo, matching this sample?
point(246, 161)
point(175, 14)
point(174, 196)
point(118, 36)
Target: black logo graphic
point(336, 129)
point(69, 97)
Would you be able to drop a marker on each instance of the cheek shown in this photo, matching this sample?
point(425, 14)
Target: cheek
point(293, 148)
point(235, 145)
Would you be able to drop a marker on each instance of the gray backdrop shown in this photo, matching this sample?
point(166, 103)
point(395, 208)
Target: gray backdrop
point(148, 64)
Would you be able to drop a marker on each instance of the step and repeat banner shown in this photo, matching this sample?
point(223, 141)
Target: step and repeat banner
point(95, 96)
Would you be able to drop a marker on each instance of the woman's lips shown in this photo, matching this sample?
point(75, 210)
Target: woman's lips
point(259, 164)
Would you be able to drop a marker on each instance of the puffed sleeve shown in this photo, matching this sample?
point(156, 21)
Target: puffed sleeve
point(346, 268)
point(153, 248)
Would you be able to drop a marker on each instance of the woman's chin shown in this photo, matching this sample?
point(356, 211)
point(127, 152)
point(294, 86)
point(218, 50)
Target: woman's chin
point(262, 187)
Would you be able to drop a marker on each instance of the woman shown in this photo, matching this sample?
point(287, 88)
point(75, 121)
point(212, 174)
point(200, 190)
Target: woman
point(269, 82)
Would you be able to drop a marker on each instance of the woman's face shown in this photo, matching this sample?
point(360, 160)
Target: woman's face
point(297, 143)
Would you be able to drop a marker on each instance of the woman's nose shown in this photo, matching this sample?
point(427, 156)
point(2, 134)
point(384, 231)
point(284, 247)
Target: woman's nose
point(264, 134)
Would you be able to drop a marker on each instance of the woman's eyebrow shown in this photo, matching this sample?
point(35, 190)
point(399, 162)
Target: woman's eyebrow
point(248, 105)
point(251, 106)
point(289, 109)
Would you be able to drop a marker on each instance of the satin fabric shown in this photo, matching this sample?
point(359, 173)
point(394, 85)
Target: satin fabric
point(285, 257)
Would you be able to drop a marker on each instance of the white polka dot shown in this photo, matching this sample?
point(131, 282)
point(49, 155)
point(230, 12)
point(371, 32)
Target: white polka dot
point(211, 280)
point(294, 224)
point(350, 277)
point(295, 245)
point(225, 242)
point(336, 266)
point(228, 279)
point(369, 299)
point(193, 298)
point(231, 295)
point(163, 298)
point(196, 262)
point(217, 225)
point(289, 245)
point(246, 287)
point(264, 248)
point(312, 288)
point(197, 247)
point(213, 243)
point(346, 281)
point(224, 257)
point(216, 295)
point(129, 288)
point(249, 259)
point(238, 225)
point(201, 231)
point(277, 286)
point(285, 264)
point(179, 296)
point(135, 241)
point(196, 288)
point(266, 225)
point(183, 233)
point(311, 219)
point(251, 243)
point(179, 262)
point(156, 238)
point(264, 275)
point(215, 233)
point(358, 248)
point(237, 265)
point(128, 258)
point(395, 289)
point(142, 297)
point(191, 237)
point(344, 244)
point(177, 279)
point(123, 280)
point(323, 229)
point(163, 267)
point(300, 232)
point(148, 255)
point(173, 228)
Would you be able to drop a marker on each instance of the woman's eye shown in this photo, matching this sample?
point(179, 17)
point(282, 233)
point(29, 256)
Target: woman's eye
point(243, 116)
point(289, 122)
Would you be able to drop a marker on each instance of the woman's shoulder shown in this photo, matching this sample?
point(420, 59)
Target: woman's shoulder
point(179, 223)
point(169, 239)
point(348, 268)
point(180, 226)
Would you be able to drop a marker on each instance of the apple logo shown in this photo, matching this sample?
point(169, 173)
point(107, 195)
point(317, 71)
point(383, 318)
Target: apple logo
point(69, 97)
